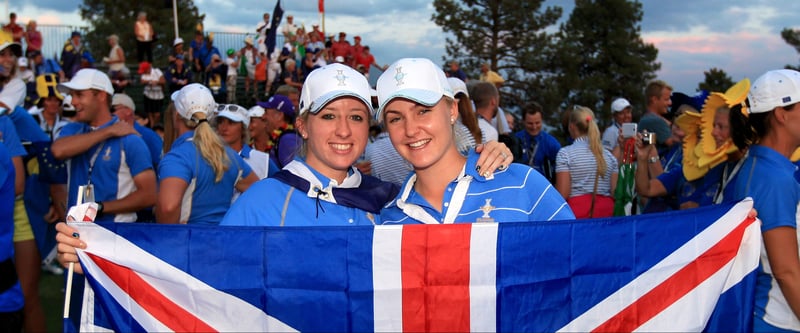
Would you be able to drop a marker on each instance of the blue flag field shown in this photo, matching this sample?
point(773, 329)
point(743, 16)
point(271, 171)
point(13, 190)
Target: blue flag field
point(679, 271)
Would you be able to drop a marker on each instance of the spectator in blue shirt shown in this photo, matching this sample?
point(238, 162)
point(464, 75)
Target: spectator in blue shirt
point(539, 148)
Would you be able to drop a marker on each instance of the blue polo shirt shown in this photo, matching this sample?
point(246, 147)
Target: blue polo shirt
point(10, 299)
point(544, 146)
point(514, 195)
point(271, 202)
point(209, 200)
point(767, 177)
point(10, 139)
point(154, 143)
point(118, 160)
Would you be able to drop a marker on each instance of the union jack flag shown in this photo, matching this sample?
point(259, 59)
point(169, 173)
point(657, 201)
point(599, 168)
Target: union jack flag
point(678, 271)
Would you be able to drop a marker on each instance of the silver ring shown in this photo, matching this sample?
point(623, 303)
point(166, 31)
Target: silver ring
point(503, 154)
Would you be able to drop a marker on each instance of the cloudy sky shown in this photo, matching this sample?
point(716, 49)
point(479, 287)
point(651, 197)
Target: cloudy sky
point(740, 36)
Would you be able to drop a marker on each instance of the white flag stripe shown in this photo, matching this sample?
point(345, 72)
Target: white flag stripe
point(483, 277)
point(387, 276)
point(220, 310)
point(148, 322)
point(667, 267)
point(691, 312)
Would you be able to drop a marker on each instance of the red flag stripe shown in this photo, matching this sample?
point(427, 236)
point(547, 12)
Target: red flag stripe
point(435, 273)
point(150, 299)
point(678, 285)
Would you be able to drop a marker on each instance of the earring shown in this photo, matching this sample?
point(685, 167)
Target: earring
point(452, 121)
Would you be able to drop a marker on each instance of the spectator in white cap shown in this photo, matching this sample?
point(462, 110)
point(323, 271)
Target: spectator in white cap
point(621, 112)
point(199, 173)
point(232, 123)
point(772, 129)
point(24, 72)
point(259, 136)
point(333, 122)
point(123, 107)
point(106, 156)
point(418, 110)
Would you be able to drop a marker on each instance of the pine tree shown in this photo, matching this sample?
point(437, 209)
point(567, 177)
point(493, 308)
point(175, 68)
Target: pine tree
point(602, 56)
point(792, 37)
point(716, 81)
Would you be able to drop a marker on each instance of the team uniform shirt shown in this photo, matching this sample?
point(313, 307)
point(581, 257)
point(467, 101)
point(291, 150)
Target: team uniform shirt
point(10, 139)
point(515, 194)
point(610, 136)
point(271, 202)
point(11, 299)
point(113, 163)
point(765, 176)
point(154, 143)
point(205, 200)
point(258, 161)
point(538, 150)
point(578, 160)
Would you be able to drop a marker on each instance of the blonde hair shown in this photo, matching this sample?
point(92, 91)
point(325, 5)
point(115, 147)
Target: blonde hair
point(584, 121)
point(209, 145)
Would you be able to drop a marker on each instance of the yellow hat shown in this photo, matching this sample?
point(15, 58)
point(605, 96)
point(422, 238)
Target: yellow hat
point(689, 122)
point(46, 86)
point(6, 40)
point(735, 95)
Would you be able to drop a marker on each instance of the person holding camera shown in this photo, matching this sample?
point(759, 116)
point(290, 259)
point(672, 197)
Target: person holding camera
point(654, 120)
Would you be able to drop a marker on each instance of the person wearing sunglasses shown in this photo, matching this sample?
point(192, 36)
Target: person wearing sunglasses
point(200, 173)
point(232, 122)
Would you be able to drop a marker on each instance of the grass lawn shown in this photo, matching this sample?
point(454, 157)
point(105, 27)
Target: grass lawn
point(52, 300)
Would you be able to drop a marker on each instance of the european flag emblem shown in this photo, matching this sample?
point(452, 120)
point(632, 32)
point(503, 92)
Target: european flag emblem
point(786, 99)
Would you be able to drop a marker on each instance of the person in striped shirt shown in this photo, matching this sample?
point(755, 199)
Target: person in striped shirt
point(418, 110)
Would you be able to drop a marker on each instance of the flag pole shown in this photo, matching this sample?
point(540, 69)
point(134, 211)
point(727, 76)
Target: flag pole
point(175, 17)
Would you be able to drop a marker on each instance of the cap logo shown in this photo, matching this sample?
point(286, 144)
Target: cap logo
point(787, 99)
point(341, 77)
point(399, 75)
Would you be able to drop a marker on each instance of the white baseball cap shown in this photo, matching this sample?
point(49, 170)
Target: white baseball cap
point(417, 79)
point(123, 99)
point(774, 89)
point(85, 79)
point(458, 86)
point(22, 62)
point(256, 112)
point(177, 41)
point(330, 82)
point(193, 98)
point(234, 112)
point(619, 104)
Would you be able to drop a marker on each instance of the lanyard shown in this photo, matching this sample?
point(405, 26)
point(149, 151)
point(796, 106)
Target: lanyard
point(93, 160)
point(454, 206)
point(726, 179)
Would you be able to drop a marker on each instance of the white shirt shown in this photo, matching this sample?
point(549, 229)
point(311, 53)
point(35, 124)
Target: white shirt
point(488, 131)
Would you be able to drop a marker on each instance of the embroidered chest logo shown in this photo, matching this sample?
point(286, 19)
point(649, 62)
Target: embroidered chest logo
point(486, 208)
point(107, 155)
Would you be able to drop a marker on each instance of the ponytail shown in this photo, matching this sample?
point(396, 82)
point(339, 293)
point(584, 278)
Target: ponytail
point(209, 145)
point(584, 121)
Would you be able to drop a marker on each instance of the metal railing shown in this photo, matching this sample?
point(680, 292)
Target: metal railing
point(54, 37)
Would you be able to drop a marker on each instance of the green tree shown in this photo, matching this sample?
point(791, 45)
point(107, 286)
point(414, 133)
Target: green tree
point(792, 37)
point(601, 56)
point(509, 35)
point(108, 17)
point(716, 80)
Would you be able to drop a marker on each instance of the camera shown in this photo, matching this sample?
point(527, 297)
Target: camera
point(648, 138)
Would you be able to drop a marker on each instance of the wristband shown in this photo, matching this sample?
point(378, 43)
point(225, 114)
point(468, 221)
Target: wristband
point(100, 208)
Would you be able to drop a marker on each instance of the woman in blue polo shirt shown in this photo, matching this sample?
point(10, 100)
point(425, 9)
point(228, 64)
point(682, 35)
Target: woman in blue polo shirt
point(772, 129)
point(11, 299)
point(321, 187)
point(199, 173)
point(418, 111)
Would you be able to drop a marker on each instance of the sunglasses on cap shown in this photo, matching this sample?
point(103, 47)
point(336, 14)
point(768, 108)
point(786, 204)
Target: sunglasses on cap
point(229, 107)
